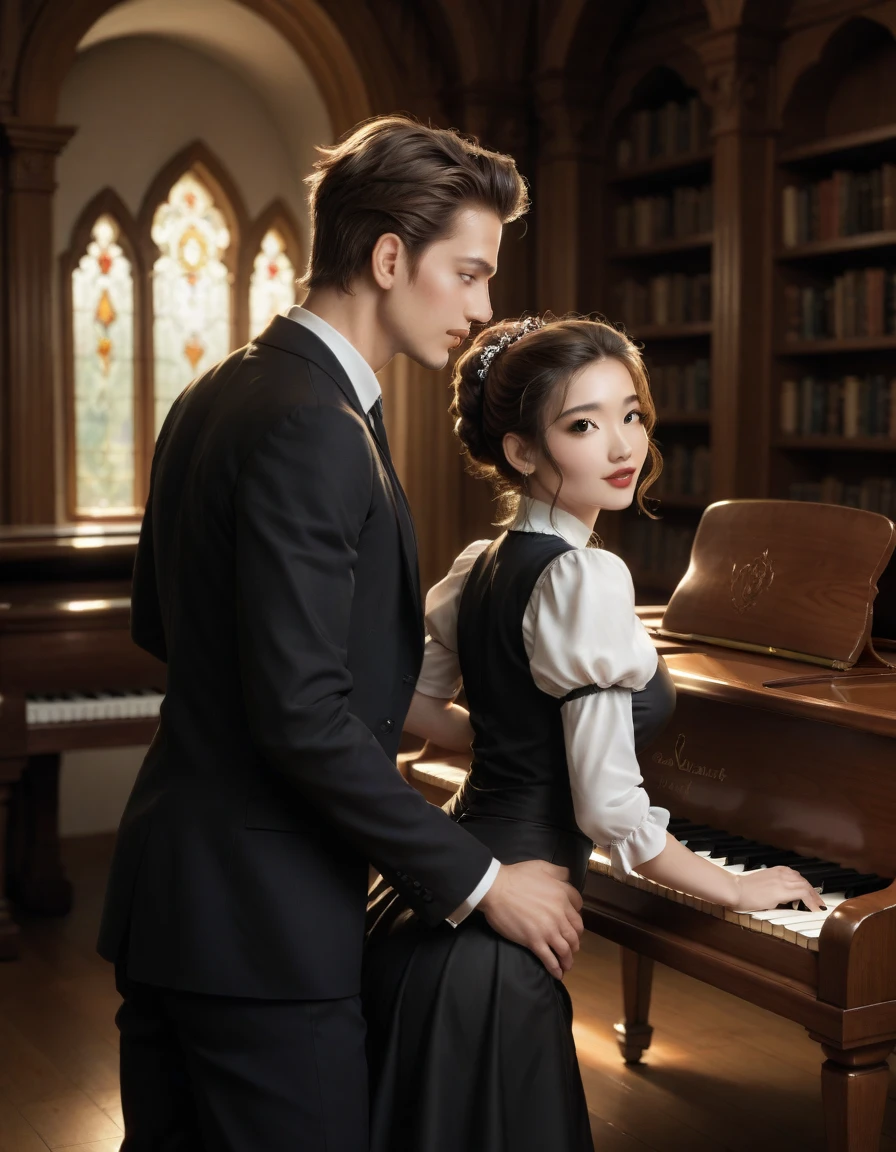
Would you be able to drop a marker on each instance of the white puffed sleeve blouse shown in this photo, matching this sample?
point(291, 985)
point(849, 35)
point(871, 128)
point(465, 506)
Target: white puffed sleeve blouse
point(579, 630)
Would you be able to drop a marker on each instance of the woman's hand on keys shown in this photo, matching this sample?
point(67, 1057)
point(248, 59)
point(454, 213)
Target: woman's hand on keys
point(763, 888)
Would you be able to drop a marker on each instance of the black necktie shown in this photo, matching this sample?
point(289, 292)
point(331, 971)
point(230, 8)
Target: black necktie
point(379, 427)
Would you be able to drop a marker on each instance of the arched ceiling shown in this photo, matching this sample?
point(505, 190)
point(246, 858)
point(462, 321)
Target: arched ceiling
point(243, 41)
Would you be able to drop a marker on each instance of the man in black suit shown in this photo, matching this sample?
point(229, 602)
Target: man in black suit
point(277, 578)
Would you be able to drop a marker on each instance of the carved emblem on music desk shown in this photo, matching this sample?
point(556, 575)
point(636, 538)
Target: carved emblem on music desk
point(750, 580)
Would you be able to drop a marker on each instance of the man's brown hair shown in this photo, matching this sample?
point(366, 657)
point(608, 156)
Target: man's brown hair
point(392, 174)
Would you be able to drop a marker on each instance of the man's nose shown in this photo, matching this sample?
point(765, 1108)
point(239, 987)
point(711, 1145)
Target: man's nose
point(481, 312)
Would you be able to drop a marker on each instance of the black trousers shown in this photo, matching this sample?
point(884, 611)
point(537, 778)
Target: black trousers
point(215, 1074)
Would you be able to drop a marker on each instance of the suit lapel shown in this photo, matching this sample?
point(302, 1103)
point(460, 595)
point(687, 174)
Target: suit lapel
point(405, 527)
point(289, 336)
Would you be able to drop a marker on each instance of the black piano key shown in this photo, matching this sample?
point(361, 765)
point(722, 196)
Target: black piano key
point(823, 875)
point(865, 885)
point(710, 840)
point(719, 847)
point(752, 857)
point(682, 833)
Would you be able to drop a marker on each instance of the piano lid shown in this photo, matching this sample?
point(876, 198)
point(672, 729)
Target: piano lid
point(783, 578)
point(39, 556)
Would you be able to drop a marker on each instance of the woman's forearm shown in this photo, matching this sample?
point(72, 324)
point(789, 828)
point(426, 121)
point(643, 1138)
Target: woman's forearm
point(441, 721)
point(677, 867)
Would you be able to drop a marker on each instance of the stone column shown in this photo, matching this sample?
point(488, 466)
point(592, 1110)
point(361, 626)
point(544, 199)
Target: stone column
point(738, 64)
point(28, 445)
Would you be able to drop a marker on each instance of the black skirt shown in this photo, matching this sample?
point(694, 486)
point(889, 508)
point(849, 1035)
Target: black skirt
point(470, 1044)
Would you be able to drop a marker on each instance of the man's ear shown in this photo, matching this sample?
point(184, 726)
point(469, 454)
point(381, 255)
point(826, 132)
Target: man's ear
point(518, 453)
point(385, 258)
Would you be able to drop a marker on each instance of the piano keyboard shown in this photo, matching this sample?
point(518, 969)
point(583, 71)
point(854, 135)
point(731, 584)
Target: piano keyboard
point(733, 853)
point(77, 707)
point(795, 924)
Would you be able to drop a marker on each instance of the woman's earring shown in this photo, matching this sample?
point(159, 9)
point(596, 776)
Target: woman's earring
point(526, 483)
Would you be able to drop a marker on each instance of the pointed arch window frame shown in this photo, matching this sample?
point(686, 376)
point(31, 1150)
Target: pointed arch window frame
point(276, 216)
point(105, 203)
point(135, 237)
point(196, 159)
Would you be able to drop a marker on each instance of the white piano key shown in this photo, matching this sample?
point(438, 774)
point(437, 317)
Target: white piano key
point(788, 930)
point(83, 707)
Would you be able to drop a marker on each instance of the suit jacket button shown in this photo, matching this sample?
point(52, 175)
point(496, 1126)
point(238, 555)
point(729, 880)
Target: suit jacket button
point(427, 896)
point(387, 725)
point(409, 679)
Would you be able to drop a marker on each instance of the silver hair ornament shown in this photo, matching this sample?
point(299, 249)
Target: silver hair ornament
point(490, 351)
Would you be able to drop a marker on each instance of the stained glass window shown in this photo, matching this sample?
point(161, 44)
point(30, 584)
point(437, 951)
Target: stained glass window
point(272, 288)
point(103, 338)
point(191, 290)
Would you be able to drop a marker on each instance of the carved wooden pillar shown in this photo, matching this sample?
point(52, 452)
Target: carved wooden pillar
point(566, 186)
point(499, 118)
point(28, 446)
point(738, 66)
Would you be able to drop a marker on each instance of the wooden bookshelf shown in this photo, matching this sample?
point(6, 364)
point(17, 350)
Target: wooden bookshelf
point(667, 201)
point(843, 246)
point(697, 243)
point(665, 416)
point(689, 166)
point(836, 443)
point(843, 148)
point(672, 331)
point(834, 347)
point(673, 501)
point(833, 183)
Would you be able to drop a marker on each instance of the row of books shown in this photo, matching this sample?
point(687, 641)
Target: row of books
point(874, 493)
point(667, 299)
point(686, 472)
point(860, 302)
point(681, 387)
point(652, 219)
point(651, 548)
point(675, 129)
point(844, 204)
point(851, 406)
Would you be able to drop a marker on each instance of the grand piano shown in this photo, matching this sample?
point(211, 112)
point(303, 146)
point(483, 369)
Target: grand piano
point(782, 750)
point(70, 677)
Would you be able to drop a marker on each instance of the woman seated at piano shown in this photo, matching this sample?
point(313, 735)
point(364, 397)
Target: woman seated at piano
point(470, 1038)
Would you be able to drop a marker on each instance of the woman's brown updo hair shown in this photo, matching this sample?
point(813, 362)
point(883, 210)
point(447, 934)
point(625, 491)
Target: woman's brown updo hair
point(526, 381)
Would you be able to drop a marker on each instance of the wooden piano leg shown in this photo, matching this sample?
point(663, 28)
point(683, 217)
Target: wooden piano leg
point(633, 1033)
point(854, 1092)
point(9, 932)
point(36, 880)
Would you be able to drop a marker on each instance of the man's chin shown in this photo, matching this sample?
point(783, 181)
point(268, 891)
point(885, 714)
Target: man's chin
point(428, 358)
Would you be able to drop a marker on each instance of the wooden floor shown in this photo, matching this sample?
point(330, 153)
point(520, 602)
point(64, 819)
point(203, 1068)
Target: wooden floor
point(719, 1076)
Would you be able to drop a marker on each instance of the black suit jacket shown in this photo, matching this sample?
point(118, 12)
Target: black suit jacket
point(277, 577)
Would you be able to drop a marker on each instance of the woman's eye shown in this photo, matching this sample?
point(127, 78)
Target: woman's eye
point(466, 277)
point(639, 416)
point(582, 425)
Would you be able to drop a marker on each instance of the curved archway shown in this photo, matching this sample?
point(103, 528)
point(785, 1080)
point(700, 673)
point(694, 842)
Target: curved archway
point(311, 35)
point(810, 63)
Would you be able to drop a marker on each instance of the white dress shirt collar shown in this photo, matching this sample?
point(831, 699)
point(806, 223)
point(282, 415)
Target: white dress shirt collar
point(359, 372)
point(536, 516)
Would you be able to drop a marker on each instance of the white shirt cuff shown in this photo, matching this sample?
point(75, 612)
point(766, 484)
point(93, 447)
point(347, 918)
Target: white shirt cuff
point(642, 844)
point(460, 914)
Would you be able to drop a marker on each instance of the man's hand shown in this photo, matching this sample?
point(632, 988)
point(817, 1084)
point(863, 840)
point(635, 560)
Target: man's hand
point(533, 904)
